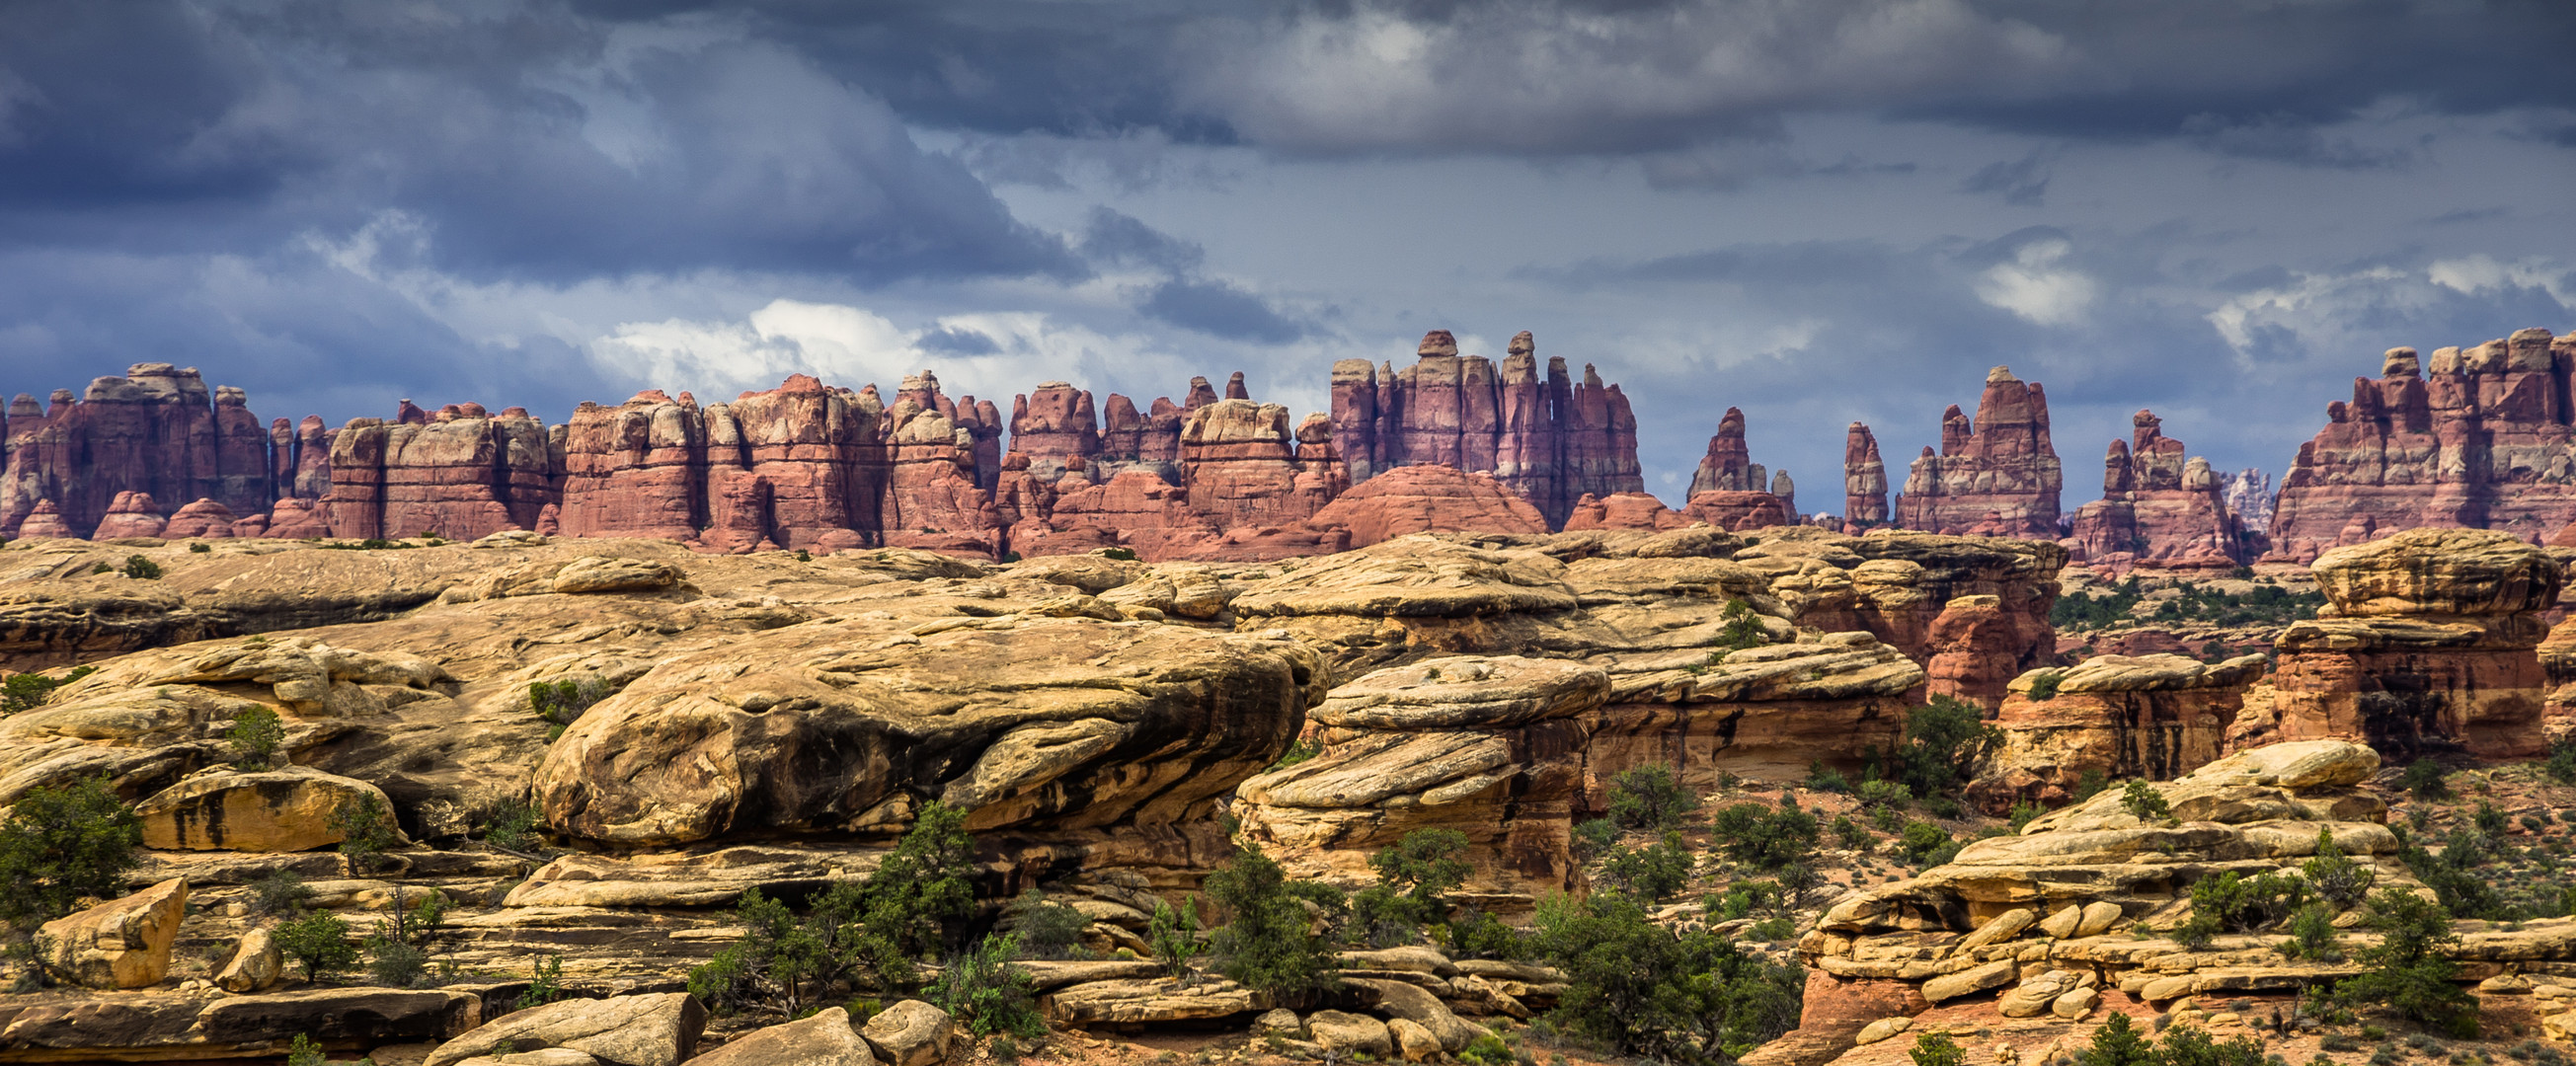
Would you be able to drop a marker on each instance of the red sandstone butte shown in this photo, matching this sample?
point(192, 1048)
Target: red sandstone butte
point(462, 474)
point(204, 519)
point(1551, 439)
point(1736, 511)
point(2157, 508)
point(1054, 427)
point(45, 522)
point(133, 514)
point(1624, 510)
point(635, 470)
point(2479, 438)
point(1998, 475)
point(1420, 499)
point(157, 430)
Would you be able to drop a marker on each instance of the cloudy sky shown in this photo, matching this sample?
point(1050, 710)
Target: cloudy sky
point(1816, 210)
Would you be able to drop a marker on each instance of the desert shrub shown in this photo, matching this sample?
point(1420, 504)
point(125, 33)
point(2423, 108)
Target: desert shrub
point(1474, 934)
point(61, 844)
point(2335, 877)
point(2453, 874)
point(1852, 834)
point(562, 701)
point(1414, 879)
point(2410, 974)
point(2144, 803)
point(1650, 797)
point(1945, 742)
point(319, 942)
point(1826, 779)
point(142, 569)
point(1121, 554)
point(1926, 844)
point(366, 831)
point(1772, 929)
point(1268, 943)
point(2229, 903)
point(1173, 936)
point(254, 737)
point(2312, 935)
point(2561, 766)
point(1048, 929)
point(1742, 629)
point(2186, 1045)
point(880, 927)
point(1593, 837)
point(1653, 872)
point(1299, 750)
point(200, 548)
point(1690, 998)
point(545, 983)
point(398, 952)
point(2117, 1043)
point(2043, 685)
point(281, 892)
point(1885, 795)
point(1754, 834)
point(2490, 823)
point(2090, 783)
point(2426, 780)
point(26, 692)
point(304, 1052)
point(983, 991)
point(512, 826)
point(1937, 1049)
point(2022, 814)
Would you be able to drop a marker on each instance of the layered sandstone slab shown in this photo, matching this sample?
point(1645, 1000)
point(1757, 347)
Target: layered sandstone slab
point(1486, 745)
point(2476, 437)
point(2153, 717)
point(1997, 475)
point(2428, 643)
point(1767, 713)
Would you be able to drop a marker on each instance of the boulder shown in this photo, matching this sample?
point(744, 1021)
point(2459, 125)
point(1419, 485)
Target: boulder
point(287, 809)
point(1134, 1001)
point(1413, 1041)
point(656, 1029)
point(256, 964)
point(1398, 999)
point(909, 1033)
point(1953, 986)
point(1882, 1029)
point(826, 1039)
point(1279, 1022)
point(1350, 1034)
point(2065, 922)
point(123, 943)
point(2000, 928)
point(2075, 1003)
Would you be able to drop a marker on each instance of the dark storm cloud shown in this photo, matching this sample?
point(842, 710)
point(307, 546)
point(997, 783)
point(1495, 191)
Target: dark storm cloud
point(2021, 182)
point(1219, 309)
point(1125, 240)
point(530, 142)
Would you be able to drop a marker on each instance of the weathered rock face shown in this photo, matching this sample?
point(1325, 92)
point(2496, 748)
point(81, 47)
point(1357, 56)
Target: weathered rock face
point(1486, 745)
point(1242, 467)
point(1996, 476)
point(1552, 440)
point(2072, 891)
point(46, 523)
point(1737, 511)
point(2153, 717)
point(1729, 464)
point(1055, 429)
point(157, 431)
point(1624, 510)
point(2158, 508)
point(1767, 712)
point(1864, 480)
point(204, 519)
point(637, 470)
point(2428, 643)
point(1418, 499)
point(290, 809)
point(658, 1029)
point(462, 474)
point(2478, 438)
point(123, 943)
point(1898, 587)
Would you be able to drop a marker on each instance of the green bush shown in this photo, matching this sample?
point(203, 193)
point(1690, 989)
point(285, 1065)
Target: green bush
point(1852, 834)
point(2144, 803)
point(1825, 779)
point(2043, 685)
point(1653, 872)
point(366, 831)
point(2410, 974)
point(1945, 743)
point(2561, 766)
point(545, 983)
point(1885, 794)
point(1593, 837)
point(1692, 998)
point(26, 692)
point(281, 892)
point(1937, 1049)
point(2090, 783)
point(1650, 797)
point(319, 942)
point(142, 569)
point(2335, 877)
point(304, 1052)
point(1743, 629)
point(2312, 935)
point(1926, 844)
point(1414, 879)
point(1754, 834)
point(398, 952)
point(1126, 555)
point(201, 548)
point(1173, 937)
point(1474, 934)
point(254, 737)
point(1269, 943)
point(2185, 1045)
point(983, 991)
point(2117, 1043)
point(563, 701)
point(1299, 750)
point(62, 844)
point(2426, 780)
point(2229, 903)
point(2022, 814)
point(512, 826)
point(1048, 929)
point(2453, 874)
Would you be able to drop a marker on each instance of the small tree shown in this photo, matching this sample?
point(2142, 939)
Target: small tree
point(1048, 929)
point(366, 831)
point(2118, 1043)
point(2144, 803)
point(398, 952)
point(984, 991)
point(1691, 998)
point(1741, 627)
point(319, 942)
point(255, 736)
point(545, 983)
point(2186, 1045)
point(1173, 936)
point(1650, 797)
point(1650, 873)
point(2411, 975)
point(1946, 741)
point(1937, 1049)
point(1269, 943)
point(1754, 834)
point(281, 892)
point(2427, 780)
point(62, 844)
point(1414, 879)
point(2336, 878)
point(2312, 935)
point(2229, 903)
point(142, 569)
point(916, 903)
point(28, 691)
